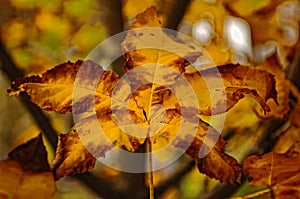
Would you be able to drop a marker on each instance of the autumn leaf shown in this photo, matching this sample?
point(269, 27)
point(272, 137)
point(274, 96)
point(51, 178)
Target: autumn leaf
point(280, 109)
point(131, 8)
point(26, 172)
point(56, 86)
point(216, 164)
point(50, 90)
point(280, 171)
point(102, 99)
point(71, 156)
point(78, 149)
point(238, 81)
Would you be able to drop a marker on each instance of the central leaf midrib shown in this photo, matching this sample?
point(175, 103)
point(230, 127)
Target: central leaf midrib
point(152, 87)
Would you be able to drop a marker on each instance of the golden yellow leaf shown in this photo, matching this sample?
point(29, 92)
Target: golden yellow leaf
point(123, 112)
point(145, 40)
point(71, 156)
point(52, 90)
point(216, 164)
point(131, 8)
point(238, 82)
point(26, 172)
point(78, 149)
point(280, 171)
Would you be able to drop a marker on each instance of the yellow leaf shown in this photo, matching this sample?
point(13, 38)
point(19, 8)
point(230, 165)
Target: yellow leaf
point(131, 8)
point(71, 156)
point(26, 172)
point(51, 90)
point(146, 38)
point(238, 82)
point(113, 111)
point(216, 164)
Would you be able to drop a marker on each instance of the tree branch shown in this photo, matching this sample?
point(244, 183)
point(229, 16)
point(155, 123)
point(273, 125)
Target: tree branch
point(113, 19)
point(177, 13)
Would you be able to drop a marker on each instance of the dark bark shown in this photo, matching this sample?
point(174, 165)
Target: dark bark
point(177, 13)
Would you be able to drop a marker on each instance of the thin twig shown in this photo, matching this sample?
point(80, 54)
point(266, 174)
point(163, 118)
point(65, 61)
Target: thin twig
point(150, 174)
point(254, 195)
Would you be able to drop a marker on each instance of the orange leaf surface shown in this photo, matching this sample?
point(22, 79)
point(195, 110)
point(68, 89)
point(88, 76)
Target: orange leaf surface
point(280, 171)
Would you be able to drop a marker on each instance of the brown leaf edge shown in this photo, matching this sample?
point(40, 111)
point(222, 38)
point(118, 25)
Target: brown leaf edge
point(64, 163)
point(216, 164)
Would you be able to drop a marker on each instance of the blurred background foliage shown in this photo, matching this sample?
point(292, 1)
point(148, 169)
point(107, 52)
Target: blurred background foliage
point(41, 34)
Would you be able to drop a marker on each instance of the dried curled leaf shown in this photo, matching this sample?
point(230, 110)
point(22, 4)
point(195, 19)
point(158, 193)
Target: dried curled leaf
point(238, 82)
point(26, 172)
point(281, 108)
point(280, 171)
point(216, 164)
point(71, 156)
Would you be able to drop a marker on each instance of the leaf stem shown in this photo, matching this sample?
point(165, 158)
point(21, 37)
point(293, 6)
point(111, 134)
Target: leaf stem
point(252, 195)
point(150, 174)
